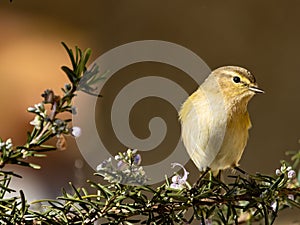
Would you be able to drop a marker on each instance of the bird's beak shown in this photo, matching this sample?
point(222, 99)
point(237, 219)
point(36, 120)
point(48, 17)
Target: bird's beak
point(255, 89)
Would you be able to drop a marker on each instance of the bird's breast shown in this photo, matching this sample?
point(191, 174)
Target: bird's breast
point(234, 141)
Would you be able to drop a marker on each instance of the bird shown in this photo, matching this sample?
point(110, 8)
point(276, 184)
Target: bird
point(215, 120)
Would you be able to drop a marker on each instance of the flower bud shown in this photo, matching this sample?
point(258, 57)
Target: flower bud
point(31, 109)
point(278, 172)
point(175, 179)
point(48, 96)
point(291, 174)
point(76, 131)
point(137, 159)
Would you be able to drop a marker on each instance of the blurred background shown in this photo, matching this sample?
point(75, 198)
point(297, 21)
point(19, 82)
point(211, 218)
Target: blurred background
point(262, 36)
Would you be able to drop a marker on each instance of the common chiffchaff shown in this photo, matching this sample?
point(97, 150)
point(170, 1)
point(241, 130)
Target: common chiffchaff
point(215, 120)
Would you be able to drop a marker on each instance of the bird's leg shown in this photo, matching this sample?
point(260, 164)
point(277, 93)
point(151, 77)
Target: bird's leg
point(241, 171)
point(247, 175)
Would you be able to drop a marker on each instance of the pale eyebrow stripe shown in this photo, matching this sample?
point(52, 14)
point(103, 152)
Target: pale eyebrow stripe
point(233, 73)
point(249, 76)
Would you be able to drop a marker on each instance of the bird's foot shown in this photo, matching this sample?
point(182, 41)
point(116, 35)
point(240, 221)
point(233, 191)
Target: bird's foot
point(246, 174)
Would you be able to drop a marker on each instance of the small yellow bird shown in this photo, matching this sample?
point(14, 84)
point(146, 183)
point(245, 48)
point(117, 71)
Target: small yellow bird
point(215, 120)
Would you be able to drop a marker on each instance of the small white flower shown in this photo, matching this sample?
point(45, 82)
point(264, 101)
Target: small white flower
point(175, 186)
point(40, 106)
point(289, 168)
point(179, 182)
point(278, 172)
point(24, 153)
point(121, 165)
point(175, 179)
point(76, 131)
point(103, 164)
point(53, 130)
point(291, 174)
point(283, 168)
point(99, 167)
point(274, 206)
point(8, 143)
point(86, 221)
point(292, 197)
point(31, 109)
point(36, 122)
point(117, 157)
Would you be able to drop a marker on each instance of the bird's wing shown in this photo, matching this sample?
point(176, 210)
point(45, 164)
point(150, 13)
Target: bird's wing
point(203, 127)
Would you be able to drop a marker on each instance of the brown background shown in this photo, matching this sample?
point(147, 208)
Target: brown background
point(263, 36)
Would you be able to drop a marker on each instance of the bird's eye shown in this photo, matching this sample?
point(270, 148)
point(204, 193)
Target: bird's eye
point(236, 79)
